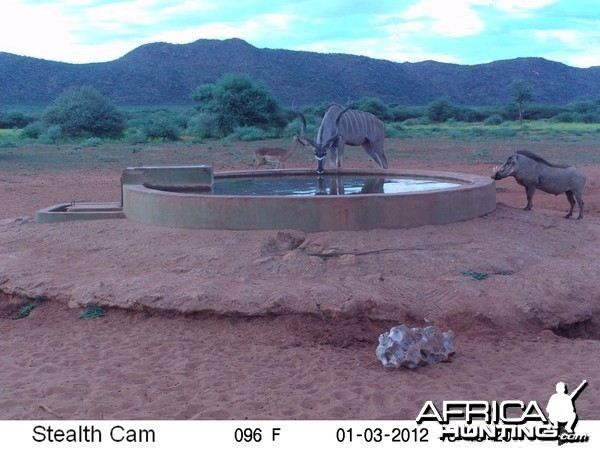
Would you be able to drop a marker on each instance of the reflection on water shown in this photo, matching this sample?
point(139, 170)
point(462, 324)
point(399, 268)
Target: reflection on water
point(324, 185)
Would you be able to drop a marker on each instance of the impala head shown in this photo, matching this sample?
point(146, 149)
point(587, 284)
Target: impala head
point(508, 168)
point(320, 149)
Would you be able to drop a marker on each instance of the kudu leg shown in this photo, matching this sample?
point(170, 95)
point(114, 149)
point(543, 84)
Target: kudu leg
point(337, 154)
point(376, 153)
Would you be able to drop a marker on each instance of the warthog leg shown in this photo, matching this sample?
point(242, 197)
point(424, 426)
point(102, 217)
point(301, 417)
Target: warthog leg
point(571, 199)
point(530, 190)
point(571, 196)
point(580, 204)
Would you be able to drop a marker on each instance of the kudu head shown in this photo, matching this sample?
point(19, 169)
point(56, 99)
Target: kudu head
point(320, 149)
point(507, 169)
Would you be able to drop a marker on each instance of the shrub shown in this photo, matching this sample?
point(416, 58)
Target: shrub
point(585, 107)
point(566, 117)
point(161, 126)
point(402, 113)
point(249, 134)
point(238, 101)
point(203, 125)
point(14, 119)
point(441, 110)
point(373, 106)
point(293, 128)
point(33, 130)
point(84, 112)
point(135, 136)
point(494, 119)
point(93, 142)
point(52, 135)
point(418, 121)
point(395, 130)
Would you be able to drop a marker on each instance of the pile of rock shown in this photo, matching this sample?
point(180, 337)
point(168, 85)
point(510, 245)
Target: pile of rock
point(403, 346)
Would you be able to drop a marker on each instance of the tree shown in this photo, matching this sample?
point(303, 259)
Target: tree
point(84, 112)
point(238, 101)
point(440, 110)
point(522, 93)
point(373, 106)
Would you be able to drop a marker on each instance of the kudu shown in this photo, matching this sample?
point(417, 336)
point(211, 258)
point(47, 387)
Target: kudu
point(534, 172)
point(344, 126)
point(275, 155)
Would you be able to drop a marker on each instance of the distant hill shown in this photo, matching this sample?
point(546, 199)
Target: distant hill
point(165, 74)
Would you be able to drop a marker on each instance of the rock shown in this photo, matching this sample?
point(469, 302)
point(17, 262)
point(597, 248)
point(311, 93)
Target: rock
point(403, 346)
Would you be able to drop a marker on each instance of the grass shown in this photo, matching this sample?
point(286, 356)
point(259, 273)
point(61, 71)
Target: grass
point(29, 304)
point(92, 312)
point(573, 143)
point(473, 131)
point(480, 276)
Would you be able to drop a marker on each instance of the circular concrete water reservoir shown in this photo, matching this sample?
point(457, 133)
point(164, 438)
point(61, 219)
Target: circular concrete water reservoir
point(300, 199)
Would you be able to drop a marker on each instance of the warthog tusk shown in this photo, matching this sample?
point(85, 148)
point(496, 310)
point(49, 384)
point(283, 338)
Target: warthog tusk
point(495, 169)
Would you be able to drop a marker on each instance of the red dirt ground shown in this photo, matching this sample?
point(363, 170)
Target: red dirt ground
point(233, 325)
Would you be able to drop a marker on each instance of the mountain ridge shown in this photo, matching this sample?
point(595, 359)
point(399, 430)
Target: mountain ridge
point(164, 74)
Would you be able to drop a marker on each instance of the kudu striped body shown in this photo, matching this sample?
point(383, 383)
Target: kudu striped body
point(343, 126)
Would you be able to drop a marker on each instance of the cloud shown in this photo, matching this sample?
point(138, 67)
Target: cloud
point(34, 29)
point(520, 6)
point(453, 18)
point(570, 45)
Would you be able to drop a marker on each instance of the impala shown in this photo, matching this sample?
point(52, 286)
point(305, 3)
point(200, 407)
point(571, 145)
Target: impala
point(275, 155)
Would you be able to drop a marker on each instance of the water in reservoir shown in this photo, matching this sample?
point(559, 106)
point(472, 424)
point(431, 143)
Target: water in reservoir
point(307, 185)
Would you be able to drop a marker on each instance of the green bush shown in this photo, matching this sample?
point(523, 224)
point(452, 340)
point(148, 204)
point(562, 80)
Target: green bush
point(249, 134)
point(93, 142)
point(84, 112)
point(566, 117)
point(293, 128)
point(238, 101)
point(33, 130)
point(585, 107)
point(395, 130)
point(402, 113)
point(52, 135)
point(161, 126)
point(203, 125)
point(14, 119)
point(441, 110)
point(135, 136)
point(373, 106)
point(424, 120)
point(494, 119)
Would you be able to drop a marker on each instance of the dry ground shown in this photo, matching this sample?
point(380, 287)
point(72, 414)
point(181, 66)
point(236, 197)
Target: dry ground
point(234, 325)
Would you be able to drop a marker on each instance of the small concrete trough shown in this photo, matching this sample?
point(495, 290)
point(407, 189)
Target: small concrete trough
point(80, 211)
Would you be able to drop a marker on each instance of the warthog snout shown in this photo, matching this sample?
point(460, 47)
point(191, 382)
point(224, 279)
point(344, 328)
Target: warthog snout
point(496, 173)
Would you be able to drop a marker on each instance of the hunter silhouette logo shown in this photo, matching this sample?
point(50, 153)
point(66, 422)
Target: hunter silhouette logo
point(561, 410)
point(479, 420)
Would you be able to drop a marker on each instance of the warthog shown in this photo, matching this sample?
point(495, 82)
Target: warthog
point(533, 171)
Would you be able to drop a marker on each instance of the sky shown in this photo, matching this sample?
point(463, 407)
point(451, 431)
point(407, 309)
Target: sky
point(454, 31)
